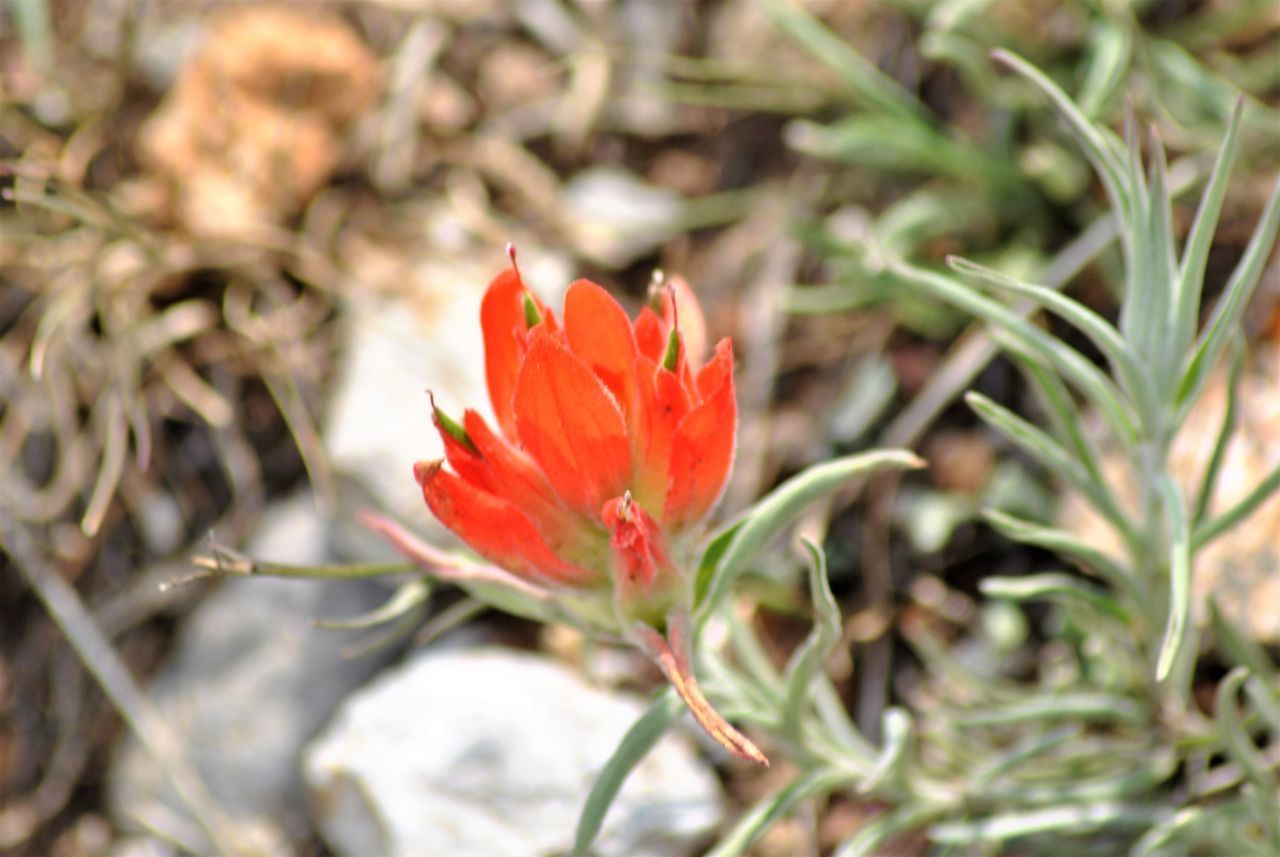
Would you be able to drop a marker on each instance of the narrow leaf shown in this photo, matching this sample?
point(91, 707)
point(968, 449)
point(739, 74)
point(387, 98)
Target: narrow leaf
point(1052, 456)
point(1075, 368)
point(1263, 696)
point(865, 82)
point(408, 597)
point(110, 416)
point(636, 744)
point(1179, 575)
point(868, 840)
point(779, 509)
point(1100, 150)
point(807, 660)
point(1157, 245)
point(890, 770)
point(1061, 408)
point(1231, 306)
point(1195, 253)
point(1063, 542)
point(1243, 508)
point(1053, 587)
point(1110, 51)
point(1070, 819)
point(777, 806)
point(1235, 737)
point(1209, 481)
point(1141, 306)
point(1137, 380)
point(1077, 706)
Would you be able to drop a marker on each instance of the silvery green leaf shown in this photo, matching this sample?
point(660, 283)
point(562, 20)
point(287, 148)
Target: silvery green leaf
point(1179, 575)
point(1073, 366)
point(635, 745)
point(1195, 253)
point(807, 660)
point(1231, 306)
point(890, 771)
point(1100, 148)
point(1061, 541)
point(1229, 419)
point(1126, 363)
point(1243, 508)
point(1062, 820)
point(777, 511)
point(1110, 51)
point(777, 806)
point(1052, 586)
point(1052, 456)
point(1236, 738)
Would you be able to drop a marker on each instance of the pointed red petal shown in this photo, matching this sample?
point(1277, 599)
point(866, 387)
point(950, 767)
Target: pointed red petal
point(493, 527)
point(651, 336)
point(464, 460)
point(600, 333)
point(702, 448)
point(570, 424)
point(512, 475)
point(664, 406)
point(442, 564)
point(502, 320)
point(711, 377)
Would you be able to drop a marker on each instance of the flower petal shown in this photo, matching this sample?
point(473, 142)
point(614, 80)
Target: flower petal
point(651, 337)
point(702, 448)
point(512, 475)
point(711, 377)
point(600, 333)
point(569, 423)
point(664, 405)
point(463, 459)
point(493, 527)
point(502, 320)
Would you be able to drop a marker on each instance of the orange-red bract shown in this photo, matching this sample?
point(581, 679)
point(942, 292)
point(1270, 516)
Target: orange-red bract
point(613, 443)
point(589, 411)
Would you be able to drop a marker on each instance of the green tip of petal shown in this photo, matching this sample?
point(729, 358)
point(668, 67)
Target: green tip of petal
point(532, 316)
point(453, 428)
point(671, 358)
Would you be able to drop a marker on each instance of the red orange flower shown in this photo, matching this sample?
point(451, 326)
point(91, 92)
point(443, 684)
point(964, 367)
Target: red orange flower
point(613, 444)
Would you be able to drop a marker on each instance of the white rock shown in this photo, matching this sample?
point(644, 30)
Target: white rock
point(617, 217)
point(250, 680)
point(491, 753)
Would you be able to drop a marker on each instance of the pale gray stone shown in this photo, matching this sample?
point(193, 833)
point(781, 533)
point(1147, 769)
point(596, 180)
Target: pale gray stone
point(616, 217)
point(250, 680)
point(491, 753)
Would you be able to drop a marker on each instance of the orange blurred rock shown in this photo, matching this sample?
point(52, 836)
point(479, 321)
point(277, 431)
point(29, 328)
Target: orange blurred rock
point(252, 127)
point(960, 461)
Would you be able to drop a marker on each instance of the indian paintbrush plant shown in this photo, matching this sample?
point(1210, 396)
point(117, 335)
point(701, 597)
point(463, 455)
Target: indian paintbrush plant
point(614, 443)
point(588, 502)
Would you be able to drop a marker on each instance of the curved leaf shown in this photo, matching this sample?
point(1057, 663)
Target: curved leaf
point(778, 510)
point(635, 745)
